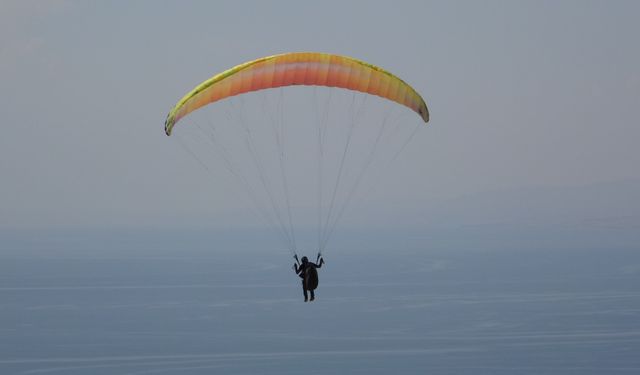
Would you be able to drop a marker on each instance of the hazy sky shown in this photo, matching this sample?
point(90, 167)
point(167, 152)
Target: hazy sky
point(522, 95)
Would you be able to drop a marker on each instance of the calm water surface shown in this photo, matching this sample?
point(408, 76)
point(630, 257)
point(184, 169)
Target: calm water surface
point(494, 312)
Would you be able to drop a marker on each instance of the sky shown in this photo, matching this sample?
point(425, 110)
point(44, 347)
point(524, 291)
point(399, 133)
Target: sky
point(530, 102)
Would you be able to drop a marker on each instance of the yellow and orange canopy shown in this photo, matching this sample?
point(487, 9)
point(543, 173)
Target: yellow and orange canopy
point(299, 68)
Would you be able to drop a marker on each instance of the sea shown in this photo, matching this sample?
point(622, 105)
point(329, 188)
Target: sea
point(216, 309)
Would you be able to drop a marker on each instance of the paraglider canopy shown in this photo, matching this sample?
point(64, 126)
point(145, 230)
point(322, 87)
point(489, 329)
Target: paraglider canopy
point(299, 68)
